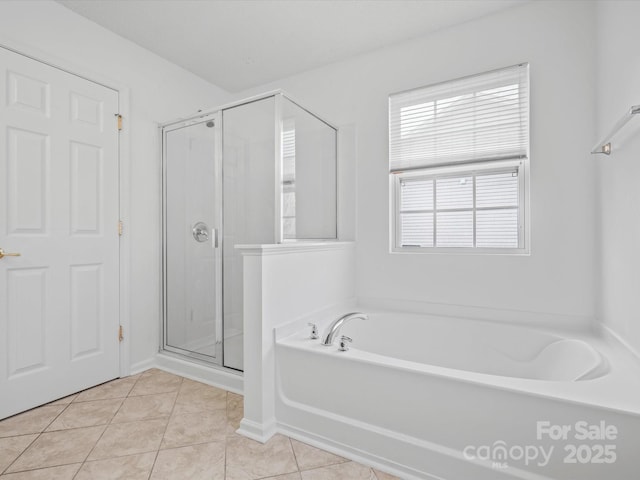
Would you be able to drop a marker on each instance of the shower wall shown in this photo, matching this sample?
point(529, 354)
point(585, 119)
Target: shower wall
point(279, 182)
point(248, 172)
point(309, 194)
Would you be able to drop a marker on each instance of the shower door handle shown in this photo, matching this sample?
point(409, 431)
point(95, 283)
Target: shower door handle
point(214, 237)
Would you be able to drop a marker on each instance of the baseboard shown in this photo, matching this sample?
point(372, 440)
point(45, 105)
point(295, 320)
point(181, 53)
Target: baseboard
point(257, 431)
point(140, 367)
point(209, 374)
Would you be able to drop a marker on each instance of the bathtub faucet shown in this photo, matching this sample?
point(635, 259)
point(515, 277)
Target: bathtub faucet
point(334, 328)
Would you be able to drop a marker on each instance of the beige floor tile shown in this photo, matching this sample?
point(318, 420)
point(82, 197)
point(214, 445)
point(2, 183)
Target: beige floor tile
point(11, 447)
point(195, 462)
point(200, 399)
point(191, 428)
point(385, 476)
point(248, 459)
point(235, 409)
point(64, 400)
point(342, 471)
point(145, 407)
point(65, 472)
point(58, 448)
point(129, 439)
point(160, 382)
point(288, 476)
point(190, 385)
point(32, 421)
point(234, 401)
point(118, 388)
point(132, 467)
point(86, 414)
point(309, 457)
point(194, 419)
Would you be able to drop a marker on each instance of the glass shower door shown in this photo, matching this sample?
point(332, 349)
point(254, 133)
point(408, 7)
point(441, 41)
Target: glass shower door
point(191, 249)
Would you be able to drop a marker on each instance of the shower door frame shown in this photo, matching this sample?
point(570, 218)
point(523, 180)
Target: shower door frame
point(216, 114)
point(216, 117)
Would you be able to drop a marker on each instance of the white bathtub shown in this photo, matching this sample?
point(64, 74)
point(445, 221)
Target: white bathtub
point(480, 347)
point(444, 398)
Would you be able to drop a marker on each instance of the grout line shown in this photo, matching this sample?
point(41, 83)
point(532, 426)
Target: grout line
point(56, 417)
point(155, 458)
point(334, 465)
point(20, 435)
point(25, 449)
point(66, 407)
point(295, 457)
point(35, 469)
point(39, 434)
point(106, 426)
point(78, 394)
point(175, 400)
point(122, 402)
point(226, 436)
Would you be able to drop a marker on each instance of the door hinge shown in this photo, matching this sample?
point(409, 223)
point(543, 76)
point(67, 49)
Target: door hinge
point(120, 227)
point(119, 117)
point(120, 333)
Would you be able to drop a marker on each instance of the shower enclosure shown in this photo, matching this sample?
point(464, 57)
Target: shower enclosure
point(260, 171)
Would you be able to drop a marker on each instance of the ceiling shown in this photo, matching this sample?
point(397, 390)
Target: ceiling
point(239, 44)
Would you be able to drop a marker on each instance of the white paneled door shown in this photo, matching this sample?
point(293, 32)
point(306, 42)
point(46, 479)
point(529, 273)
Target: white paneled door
point(59, 301)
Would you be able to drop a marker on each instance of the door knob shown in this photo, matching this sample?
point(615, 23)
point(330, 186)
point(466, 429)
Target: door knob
point(3, 254)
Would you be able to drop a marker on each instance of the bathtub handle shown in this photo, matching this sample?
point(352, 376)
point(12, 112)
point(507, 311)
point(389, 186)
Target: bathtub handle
point(314, 331)
point(343, 343)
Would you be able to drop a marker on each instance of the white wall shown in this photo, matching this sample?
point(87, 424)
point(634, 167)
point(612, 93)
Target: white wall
point(557, 39)
point(160, 91)
point(286, 286)
point(618, 175)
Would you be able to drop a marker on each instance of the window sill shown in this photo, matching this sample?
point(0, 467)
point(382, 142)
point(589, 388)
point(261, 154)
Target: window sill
point(519, 252)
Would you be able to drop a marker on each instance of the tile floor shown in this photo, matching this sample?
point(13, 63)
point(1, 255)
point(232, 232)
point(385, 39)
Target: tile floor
point(156, 425)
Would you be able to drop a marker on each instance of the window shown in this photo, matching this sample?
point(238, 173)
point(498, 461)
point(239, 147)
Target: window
point(289, 179)
point(458, 161)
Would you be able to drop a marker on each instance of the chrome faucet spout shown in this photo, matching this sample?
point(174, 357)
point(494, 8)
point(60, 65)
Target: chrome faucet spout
point(334, 328)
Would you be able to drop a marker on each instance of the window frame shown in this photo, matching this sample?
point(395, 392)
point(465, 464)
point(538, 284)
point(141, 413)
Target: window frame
point(454, 170)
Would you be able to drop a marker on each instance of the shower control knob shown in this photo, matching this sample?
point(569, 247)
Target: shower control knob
point(314, 331)
point(200, 232)
point(344, 341)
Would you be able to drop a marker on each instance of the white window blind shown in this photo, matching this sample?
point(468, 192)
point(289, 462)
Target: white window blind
point(478, 118)
point(458, 155)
